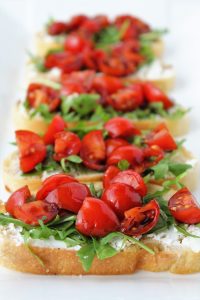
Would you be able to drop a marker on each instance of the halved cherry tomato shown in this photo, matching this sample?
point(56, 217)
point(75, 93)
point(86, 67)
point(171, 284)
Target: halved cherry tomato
point(32, 212)
point(112, 144)
point(57, 124)
point(120, 127)
point(121, 197)
point(65, 61)
point(38, 93)
point(133, 179)
point(140, 220)
point(51, 183)
point(184, 207)
point(96, 218)
point(95, 24)
point(131, 153)
point(127, 99)
point(69, 196)
point(154, 94)
point(109, 174)
point(18, 198)
point(77, 82)
point(93, 150)
point(77, 21)
point(163, 139)
point(110, 84)
point(136, 26)
point(57, 28)
point(75, 43)
point(66, 143)
point(32, 150)
point(153, 151)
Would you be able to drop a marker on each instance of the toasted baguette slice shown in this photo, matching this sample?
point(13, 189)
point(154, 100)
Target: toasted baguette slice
point(43, 43)
point(64, 261)
point(13, 179)
point(22, 120)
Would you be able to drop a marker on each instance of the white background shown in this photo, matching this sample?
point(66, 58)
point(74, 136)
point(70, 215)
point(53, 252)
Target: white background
point(19, 19)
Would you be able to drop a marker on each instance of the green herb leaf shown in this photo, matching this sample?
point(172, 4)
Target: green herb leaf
point(103, 250)
point(181, 228)
point(86, 255)
point(152, 35)
point(43, 110)
point(123, 164)
point(178, 168)
point(75, 159)
point(38, 62)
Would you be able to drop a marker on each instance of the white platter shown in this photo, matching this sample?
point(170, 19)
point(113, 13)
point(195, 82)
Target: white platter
point(19, 19)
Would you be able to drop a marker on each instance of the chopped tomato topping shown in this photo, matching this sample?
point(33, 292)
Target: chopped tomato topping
point(56, 125)
point(18, 198)
point(120, 127)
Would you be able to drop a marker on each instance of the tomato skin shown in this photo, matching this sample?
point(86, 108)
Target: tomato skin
point(69, 196)
point(93, 150)
point(184, 207)
point(32, 212)
point(57, 124)
point(51, 183)
point(75, 43)
point(96, 218)
point(154, 94)
point(112, 144)
point(32, 149)
point(131, 153)
point(133, 179)
point(57, 28)
point(38, 93)
point(127, 99)
point(65, 61)
point(18, 198)
point(140, 220)
point(163, 139)
point(121, 197)
point(109, 84)
point(120, 127)
point(76, 21)
point(152, 151)
point(109, 174)
point(66, 143)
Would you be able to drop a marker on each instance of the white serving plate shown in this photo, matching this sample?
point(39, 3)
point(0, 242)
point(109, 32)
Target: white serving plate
point(19, 19)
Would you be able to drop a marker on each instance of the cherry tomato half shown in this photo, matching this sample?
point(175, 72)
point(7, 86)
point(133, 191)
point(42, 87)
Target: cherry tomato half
point(154, 94)
point(112, 144)
point(18, 198)
point(120, 127)
point(109, 174)
point(32, 149)
point(51, 183)
point(163, 139)
point(69, 196)
point(32, 212)
point(184, 207)
point(93, 150)
point(133, 179)
point(57, 124)
point(66, 143)
point(96, 218)
point(41, 94)
point(121, 197)
point(65, 61)
point(140, 220)
point(57, 28)
point(109, 84)
point(75, 43)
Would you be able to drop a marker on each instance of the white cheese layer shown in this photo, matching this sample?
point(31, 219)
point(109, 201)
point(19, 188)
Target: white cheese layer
point(155, 70)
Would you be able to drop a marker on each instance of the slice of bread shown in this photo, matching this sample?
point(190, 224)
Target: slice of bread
point(22, 120)
point(13, 178)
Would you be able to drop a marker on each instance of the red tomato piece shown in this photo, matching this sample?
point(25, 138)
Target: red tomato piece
point(112, 144)
point(32, 212)
point(163, 139)
point(77, 21)
point(51, 183)
point(75, 43)
point(110, 84)
point(96, 218)
point(69, 196)
point(121, 197)
point(140, 220)
point(32, 150)
point(121, 127)
point(127, 99)
point(131, 153)
point(109, 174)
point(154, 94)
point(38, 93)
point(57, 124)
point(93, 150)
point(18, 198)
point(57, 28)
point(66, 143)
point(184, 207)
point(65, 61)
point(154, 151)
point(133, 179)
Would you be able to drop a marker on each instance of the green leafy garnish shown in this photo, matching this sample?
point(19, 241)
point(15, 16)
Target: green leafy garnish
point(38, 62)
point(42, 110)
point(182, 229)
point(152, 35)
point(75, 159)
point(123, 164)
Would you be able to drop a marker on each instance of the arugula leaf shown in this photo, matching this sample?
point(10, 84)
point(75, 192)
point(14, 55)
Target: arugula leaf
point(123, 164)
point(86, 255)
point(43, 110)
point(75, 159)
point(103, 250)
point(95, 193)
point(38, 62)
point(181, 228)
point(160, 170)
point(50, 83)
point(152, 35)
point(178, 168)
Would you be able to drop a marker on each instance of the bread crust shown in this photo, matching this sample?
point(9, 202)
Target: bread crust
point(58, 261)
point(13, 180)
point(37, 124)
